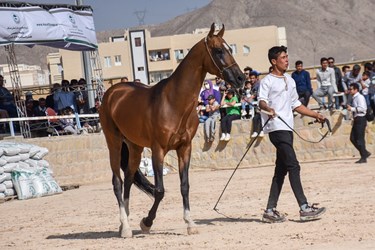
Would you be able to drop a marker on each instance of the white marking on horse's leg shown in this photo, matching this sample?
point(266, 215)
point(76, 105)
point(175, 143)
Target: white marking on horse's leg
point(125, 230)
point(192, 227)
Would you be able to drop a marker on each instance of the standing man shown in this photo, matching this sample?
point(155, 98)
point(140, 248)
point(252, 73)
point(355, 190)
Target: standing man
point(303, 83)
point(326, 80)
point(278, 96)
point(357, 135)
point(339, 85)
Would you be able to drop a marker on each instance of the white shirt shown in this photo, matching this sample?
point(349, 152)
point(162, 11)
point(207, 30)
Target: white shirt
point(359, 106)
point(280, 93)
point(326, 78)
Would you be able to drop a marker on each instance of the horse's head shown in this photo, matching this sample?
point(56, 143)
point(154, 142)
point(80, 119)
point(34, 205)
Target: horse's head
point(221, 59)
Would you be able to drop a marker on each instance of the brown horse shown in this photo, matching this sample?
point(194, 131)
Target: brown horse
point(162, 117)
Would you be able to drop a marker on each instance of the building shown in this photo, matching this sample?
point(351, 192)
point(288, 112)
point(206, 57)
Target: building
point(137, 54)
point(30, 75)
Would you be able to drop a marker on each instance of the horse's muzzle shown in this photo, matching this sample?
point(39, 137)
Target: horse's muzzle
point(235, 76)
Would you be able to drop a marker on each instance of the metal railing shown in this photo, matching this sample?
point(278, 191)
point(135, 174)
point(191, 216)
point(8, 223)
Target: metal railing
point(38, 118)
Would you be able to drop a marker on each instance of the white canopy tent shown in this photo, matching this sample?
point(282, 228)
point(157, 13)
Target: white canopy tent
point(68, 27)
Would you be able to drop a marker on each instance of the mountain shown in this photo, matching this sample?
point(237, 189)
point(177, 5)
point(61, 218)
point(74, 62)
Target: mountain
point(344, 29)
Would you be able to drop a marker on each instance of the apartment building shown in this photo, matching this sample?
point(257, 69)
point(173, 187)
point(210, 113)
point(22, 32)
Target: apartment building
point(137, 54)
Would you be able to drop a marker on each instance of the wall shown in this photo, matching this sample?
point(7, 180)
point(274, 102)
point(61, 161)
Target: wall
point(84, 159)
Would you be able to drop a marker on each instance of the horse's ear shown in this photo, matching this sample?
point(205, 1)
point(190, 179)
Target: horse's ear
point(221, 32)
point(212, 30)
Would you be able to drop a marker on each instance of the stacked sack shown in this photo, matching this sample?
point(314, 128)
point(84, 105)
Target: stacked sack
point(24, 173)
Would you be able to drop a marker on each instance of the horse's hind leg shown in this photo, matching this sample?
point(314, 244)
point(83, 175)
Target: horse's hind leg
point(114, 146)
point(130, 160)
point(157, 165)
point(183, 154)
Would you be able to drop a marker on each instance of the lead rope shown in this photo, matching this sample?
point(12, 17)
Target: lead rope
point(252, 142)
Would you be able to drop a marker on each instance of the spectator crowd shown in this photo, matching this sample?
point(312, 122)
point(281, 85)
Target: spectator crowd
point(67, 98)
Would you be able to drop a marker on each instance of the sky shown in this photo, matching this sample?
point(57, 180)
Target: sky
point(117, 14)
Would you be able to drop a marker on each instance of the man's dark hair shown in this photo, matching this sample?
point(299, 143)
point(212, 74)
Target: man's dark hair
point(354, 86)
point(253, 73)
point(331, 58)
point(367, 73)
point(247, 68)
point(299, 62)
point(368, 66)
point(42, 99)
point(323, 59)
point(345, 67)
point(275, 51)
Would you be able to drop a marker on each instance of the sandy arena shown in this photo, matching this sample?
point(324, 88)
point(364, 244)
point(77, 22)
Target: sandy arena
point(87, 218)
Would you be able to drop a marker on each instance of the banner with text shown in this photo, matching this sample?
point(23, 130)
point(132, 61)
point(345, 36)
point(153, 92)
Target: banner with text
point(57, 27)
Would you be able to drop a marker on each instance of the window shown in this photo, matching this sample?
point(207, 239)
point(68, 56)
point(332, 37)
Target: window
point(159, 75)
point(107, 62)
point(246, 49)
point(179, 55)
point(138, 42)
point(118, 60)
point(159, 55)
point(141, 68)
point(234, 49)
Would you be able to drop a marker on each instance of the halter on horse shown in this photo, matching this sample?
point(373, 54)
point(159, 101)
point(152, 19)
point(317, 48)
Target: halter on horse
point(163, 118)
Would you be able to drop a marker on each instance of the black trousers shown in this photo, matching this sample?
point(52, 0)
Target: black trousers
point(357, 135)
point(226, 123)
point(257, 122)
point(304, 97)
point(286, 163)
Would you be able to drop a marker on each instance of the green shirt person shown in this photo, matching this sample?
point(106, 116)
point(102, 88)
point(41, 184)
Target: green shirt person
point(229, 100)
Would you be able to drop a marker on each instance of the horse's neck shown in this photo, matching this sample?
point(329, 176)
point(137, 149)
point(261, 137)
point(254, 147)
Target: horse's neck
point(186, 80)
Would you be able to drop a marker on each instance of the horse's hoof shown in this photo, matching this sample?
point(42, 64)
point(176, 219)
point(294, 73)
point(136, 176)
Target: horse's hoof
point(145, 229)
point(192, 230)
point(126, 233)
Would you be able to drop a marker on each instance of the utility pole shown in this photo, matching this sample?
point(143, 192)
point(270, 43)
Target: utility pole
point(87, 70)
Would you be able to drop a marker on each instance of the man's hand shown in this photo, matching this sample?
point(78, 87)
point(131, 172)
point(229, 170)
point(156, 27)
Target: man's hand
point(320, 118)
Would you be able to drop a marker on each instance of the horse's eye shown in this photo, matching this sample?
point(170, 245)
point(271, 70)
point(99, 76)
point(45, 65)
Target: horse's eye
point(219, 51)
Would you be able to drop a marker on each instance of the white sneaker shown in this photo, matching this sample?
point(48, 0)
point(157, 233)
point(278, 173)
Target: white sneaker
point(222, 138)
point(261, 134)
point(243, 113)
point(255, 134)
point(227, 137)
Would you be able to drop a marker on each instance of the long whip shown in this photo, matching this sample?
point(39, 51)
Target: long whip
point(252, 142)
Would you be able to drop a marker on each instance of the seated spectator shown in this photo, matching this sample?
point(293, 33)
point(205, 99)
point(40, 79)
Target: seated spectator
point(303, 83)
point(7, 100)
point(50, 102)
point(233, 113)
point(212, 108)
point(81, 95)
point(64, 98)
point(68, 123)
point(3, 126)
point(246, 99)
point(365, 84)
point(208, 90)
point(40, 110)
point(30, 108)
point(326, 80)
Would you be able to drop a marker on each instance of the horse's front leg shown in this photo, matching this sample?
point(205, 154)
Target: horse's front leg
point(184, 154)
point(157, 165)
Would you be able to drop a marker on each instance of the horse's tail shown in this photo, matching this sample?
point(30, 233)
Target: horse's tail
point(139, 179)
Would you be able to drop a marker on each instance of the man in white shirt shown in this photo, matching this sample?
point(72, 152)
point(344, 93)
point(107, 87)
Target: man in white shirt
point(278, 96)
point(357, 135)
point(326, 80)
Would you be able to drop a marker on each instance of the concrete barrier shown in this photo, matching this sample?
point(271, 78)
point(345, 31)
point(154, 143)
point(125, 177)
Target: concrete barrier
point(84, 159)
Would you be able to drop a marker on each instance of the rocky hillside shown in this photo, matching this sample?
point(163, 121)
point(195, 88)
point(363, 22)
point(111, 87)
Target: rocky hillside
point(344, 29)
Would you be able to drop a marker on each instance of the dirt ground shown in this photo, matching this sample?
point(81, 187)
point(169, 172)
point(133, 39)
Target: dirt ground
point(87, 218)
